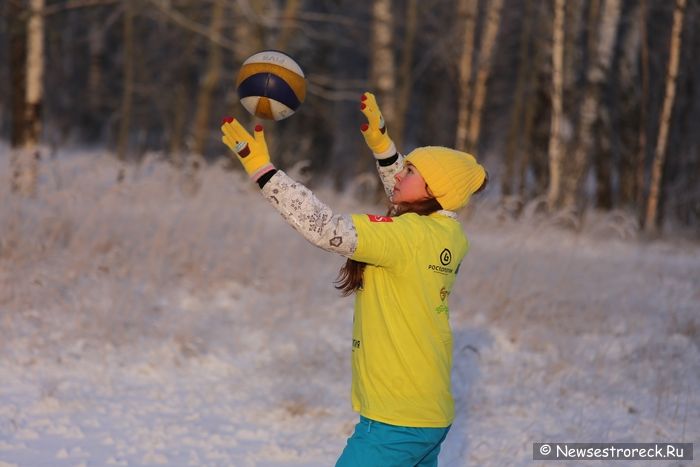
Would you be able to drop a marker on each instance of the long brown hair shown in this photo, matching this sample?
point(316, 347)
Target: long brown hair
point(349, 278)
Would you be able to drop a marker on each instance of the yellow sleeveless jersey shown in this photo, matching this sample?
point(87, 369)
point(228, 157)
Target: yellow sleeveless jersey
point(402, 342)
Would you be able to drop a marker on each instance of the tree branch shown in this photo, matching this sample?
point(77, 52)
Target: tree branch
point(183, 21)
point(75, 4)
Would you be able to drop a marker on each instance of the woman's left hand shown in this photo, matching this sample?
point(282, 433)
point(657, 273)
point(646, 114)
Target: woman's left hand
point(374, 131)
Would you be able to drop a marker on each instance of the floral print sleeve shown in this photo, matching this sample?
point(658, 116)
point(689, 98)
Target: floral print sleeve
point(313, 219)
point(387, 173)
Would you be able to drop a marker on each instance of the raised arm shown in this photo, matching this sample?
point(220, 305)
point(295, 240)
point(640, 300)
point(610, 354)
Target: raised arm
point(313, 219)
point(389, 160)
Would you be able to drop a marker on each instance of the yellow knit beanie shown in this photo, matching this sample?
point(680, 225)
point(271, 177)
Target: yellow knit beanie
point(452, 176)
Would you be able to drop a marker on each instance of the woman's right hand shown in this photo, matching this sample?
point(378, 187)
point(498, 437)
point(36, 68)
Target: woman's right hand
point(250, 150)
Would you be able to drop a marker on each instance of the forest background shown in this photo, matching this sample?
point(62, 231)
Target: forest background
point(154, 310)
point(573, 105)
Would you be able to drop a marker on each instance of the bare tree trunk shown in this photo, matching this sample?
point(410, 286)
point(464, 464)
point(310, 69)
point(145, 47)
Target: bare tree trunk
point(181, 105)
point(600, 150)
point(35, 73)
point(650, 223)
point(596, 76)
point(516, 117)
point(602, 165)
point(523, 162)
point(488, 43)
point(405, 74)
point(96, 47)
point(291, 8)
point(247, 35)
point(17, 31)
point(383, 71)
point(17, 27)
point(26, 162)
point(533, 103)
point(179, 117)
point(248, 39)
point(466, 12)
point(555, 153)
point(127, 86)
point(210, 82)
point(593, 20)
point(631, 104)
point(573, 26)
point(181, 143)
point(644, 104)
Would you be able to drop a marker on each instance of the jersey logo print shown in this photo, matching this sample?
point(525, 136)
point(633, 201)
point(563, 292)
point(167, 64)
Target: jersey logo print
point(446, 257)
point(373, 218)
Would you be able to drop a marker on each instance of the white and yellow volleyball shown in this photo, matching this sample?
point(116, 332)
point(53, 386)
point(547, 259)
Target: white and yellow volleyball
point(271, 85)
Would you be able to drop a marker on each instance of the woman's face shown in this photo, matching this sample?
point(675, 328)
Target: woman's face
point(410, 186)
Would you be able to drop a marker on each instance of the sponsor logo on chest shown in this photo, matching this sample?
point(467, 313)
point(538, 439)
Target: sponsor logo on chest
point(445, 263)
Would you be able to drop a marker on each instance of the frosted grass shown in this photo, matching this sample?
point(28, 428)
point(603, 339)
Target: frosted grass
point(143, 325)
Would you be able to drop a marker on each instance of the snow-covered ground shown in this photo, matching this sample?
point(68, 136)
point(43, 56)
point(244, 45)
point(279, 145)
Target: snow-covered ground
point(141, 325)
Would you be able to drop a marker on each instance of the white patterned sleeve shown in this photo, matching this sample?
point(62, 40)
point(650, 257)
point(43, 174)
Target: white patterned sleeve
point(387, 173)
point(312, 218)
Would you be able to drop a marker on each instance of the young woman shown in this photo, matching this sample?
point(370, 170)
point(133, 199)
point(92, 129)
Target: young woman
point(401, 268)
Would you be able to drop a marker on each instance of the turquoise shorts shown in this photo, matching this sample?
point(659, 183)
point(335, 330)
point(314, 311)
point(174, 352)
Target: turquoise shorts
point(377, 444)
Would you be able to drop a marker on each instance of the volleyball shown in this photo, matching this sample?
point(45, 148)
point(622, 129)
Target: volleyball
point(271, 85)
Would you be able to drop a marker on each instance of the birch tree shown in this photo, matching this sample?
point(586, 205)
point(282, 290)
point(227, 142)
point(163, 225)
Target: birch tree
point(291, 8)
point(488, 45)
point(405, 74)
point(383, 67)
point(96, 50)
point(643, 105)
point(513, 144)
point(650, 222)
point(631, 103)
point(35, 72)
point(534, 106)
point(595, 78)
point(127, 85)
point(26, 161)
point(212, 76)
point(17, 32)
point(248, 36)
point(555, 153)
point(466, 15)
point(248, 39)
point(181, 102)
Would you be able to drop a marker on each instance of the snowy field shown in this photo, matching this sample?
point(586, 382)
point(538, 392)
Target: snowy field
point(140, 325)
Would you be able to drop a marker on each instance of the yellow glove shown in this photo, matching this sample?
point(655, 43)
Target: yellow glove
point(251, 151)
point(374, 130)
